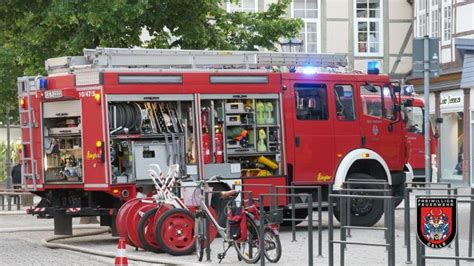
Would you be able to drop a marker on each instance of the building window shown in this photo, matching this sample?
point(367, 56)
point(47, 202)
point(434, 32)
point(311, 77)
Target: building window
point(308, 11)
point(421, 17)
point(311, 102)
point(434, 18)
point(242, 6)
point(447, 20)
point(368, 28)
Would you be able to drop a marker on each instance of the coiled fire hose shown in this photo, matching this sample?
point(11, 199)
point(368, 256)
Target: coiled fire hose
point(47, 242)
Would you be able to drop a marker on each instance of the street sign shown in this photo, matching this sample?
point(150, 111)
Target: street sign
point(418, 55)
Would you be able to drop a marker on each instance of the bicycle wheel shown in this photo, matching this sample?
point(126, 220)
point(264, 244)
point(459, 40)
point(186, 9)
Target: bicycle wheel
point(200, 235)
point(146, 228)
point(175, 232)
point(272, 245)
point(249, 250)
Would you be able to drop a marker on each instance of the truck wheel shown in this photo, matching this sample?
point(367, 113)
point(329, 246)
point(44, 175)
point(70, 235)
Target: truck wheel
point(299, 213)
point(364, 212)
point(399, 192)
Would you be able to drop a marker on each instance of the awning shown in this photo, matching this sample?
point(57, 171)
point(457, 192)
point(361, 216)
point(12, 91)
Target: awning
point(467, 79)
point(466, 47)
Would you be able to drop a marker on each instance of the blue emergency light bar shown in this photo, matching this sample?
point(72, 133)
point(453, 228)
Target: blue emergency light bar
point(43, 84)
point(373, 67)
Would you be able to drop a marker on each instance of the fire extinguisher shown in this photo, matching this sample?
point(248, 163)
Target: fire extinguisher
point(219, 146)
point(206, 147)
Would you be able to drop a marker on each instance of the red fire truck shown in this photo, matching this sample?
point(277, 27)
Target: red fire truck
point(416, 139)
point(94, 124)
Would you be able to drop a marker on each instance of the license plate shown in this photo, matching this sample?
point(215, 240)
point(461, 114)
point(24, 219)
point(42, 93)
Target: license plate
point(53, 94)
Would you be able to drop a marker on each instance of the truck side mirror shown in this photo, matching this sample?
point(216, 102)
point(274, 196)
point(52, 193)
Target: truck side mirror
point(439, 120)
point(408, 103)
point(370, 87)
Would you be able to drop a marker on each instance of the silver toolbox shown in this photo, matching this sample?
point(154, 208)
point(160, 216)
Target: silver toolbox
point(234, 107)
point(146, 153)
point(62, 109)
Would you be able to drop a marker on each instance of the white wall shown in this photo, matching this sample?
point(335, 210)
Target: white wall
point(15, 134)
point(465, 18)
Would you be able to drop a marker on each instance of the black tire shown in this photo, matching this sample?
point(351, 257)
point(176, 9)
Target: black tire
point(272, 242)
point(173, 250)
point(399, 192)
point(252, 231)
point(141, 231)
point(200, 236)
point(364, 212)
point(299, 214)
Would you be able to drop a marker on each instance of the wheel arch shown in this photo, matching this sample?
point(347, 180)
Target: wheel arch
point(362, 161)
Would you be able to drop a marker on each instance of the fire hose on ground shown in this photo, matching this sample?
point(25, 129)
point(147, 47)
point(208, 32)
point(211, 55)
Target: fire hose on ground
point(47, 242)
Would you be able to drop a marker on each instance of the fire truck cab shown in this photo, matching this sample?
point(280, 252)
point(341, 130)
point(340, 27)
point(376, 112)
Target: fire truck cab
point(91, 128)
point(416, 138)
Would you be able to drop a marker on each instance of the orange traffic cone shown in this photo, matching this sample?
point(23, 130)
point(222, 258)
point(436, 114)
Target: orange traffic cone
point(121, 257)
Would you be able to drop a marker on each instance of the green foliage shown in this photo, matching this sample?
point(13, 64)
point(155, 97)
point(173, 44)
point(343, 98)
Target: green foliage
point(35, 30)
point(3, 158)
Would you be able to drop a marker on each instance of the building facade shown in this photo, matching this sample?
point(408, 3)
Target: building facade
point(452, 21)
point(365, 30)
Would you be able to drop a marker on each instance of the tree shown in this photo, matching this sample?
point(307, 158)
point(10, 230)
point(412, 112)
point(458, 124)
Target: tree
point(35, 30)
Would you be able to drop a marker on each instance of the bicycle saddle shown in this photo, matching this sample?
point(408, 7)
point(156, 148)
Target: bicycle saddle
point(229, 194)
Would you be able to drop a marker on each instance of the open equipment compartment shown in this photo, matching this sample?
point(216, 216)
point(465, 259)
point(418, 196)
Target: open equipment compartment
point(62, 141)
point(241, 136)
point(149, 129)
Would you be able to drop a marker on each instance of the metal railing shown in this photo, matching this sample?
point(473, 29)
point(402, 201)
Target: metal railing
point(310, 224)
point(423, 186)
point(293, 209)
point(420, 248)
point(345, 197)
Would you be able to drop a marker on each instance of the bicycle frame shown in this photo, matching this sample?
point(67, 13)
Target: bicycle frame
point(221, 230)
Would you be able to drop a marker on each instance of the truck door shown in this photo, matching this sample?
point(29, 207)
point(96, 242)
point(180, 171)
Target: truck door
point(314, 133)
point(379, 133)
point(415, 137)
point(346, 124)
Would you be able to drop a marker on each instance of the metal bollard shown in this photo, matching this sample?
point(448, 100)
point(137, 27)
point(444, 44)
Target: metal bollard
point(310, 229)
point(391, 235)
point(407, 224)
point(320, 223)
point(293, 222)
point(262, 231)
point(456, 238)
point(343, 230)
point(207, 243)
point(386, 218)
point(420, 254)
point(330, 230)
point(9, 200)
point(348, 214)
point(471, 221)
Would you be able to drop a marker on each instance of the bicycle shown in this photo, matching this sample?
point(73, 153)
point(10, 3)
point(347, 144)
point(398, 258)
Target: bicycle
point(247, 249)
point(271, 236)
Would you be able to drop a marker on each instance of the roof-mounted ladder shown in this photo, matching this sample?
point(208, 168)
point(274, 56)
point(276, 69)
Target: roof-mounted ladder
point(191, 59)
point(29, 168)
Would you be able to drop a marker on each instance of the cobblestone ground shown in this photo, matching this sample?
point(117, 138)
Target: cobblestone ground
point(24, 248)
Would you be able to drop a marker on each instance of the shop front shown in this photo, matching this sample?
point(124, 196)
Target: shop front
point(451, 143)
